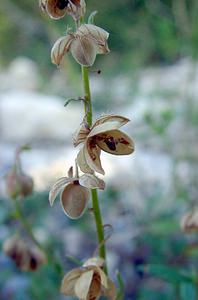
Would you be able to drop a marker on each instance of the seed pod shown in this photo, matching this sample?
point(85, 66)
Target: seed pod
point(74, 200)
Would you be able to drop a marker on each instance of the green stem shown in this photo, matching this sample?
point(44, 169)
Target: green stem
point(94, 193)
point(87, 95)
point(28, 229)
point(25, 224)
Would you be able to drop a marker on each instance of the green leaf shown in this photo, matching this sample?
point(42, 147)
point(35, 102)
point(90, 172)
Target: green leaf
point(120, 293)
point(91, 19)
point(169, 274)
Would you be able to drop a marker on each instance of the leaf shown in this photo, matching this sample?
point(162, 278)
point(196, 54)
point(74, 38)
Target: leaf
point(91, 19)
point(120, 293)
point(169, 274)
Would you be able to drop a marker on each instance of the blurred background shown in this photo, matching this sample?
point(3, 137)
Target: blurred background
point(150, 76)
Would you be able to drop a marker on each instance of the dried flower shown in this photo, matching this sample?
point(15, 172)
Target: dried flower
point(18, 184)
point(88, 282)
point(26, 257)
point(74, 192)
point(57, 9)
point(189, 222)
point(88, 41)
point(103, 135)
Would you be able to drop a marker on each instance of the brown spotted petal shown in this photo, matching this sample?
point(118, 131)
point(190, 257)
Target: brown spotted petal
point(56, 9)
point(74, 200)
point(84, 51)
point(115, 142)
point(92, 156)
point(90, 181)
point(189, 222)
point(107, 123)
point(69, 281)
point(58, 187)
point(60, 48)
point(98, 35)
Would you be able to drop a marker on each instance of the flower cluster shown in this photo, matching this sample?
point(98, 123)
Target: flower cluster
point(87, 40)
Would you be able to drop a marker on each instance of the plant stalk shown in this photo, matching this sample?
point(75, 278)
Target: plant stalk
point(94, 193)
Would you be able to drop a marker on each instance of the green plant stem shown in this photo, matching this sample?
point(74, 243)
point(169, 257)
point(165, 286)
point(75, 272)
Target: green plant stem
point(94, 193)
point(26, 225)
point(28, 229)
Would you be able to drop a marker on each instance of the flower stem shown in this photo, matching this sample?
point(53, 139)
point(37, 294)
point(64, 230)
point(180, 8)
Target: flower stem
point(28, 229)
point(26, 225)
point(94, 193)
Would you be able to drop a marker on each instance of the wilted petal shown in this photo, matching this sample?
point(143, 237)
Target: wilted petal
point(92, 156)
point(96, 34)
point(84, 51)
point(74, 200)
point(103, 277)
point(92, 182)
point(107, 123)
point(58, 187)
point(95, 287)
point(83, 284)
point(115, 142)
point(82, 163)
point(189, 222)
point(80, 135)
point(110, 292)
point(69, 281)
point(60, 48)
point(94, 261)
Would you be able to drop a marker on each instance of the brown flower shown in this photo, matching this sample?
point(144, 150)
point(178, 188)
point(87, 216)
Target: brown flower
point(88, 41)
point(88, 282)
point(26, 257)
point(57, 9)
point(103, 135)
point(189, 222)
point(18, 183)
point(74, 192)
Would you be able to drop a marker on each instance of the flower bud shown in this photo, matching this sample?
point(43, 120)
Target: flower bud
point(18, 184)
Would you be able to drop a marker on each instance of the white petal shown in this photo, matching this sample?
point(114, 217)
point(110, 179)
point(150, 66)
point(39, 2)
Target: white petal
point(98, 35)
point(94, 261)
point(92, 156)
point(82, 163)
point(84, 51)
point(106, 123)
point(60, 48)
point(58, 187)
point(80, 134)
point(83, 284)
point(115, 142)
point(74, 200)
point(96, 32)
point(69, 280)
point(92, 182)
